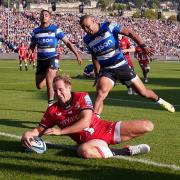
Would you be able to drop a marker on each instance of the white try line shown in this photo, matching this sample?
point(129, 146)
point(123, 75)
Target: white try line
point(136, 101)
point(143, 161)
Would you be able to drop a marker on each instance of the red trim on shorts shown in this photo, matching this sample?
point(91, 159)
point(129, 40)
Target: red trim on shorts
point(100, 152)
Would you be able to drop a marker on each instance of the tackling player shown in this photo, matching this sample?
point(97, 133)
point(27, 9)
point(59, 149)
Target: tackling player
point(144, 62)
point(22, 51)
point(74, 115)
point(109, 62)
point(46, 37)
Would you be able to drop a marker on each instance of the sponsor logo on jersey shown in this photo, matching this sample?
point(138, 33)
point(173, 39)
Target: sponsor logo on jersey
point(102, 46)
point(88, 100)
point(77, 106)
point(69, 120)
point(45, 40)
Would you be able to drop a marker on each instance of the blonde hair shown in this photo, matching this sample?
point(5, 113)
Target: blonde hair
point(64, 77)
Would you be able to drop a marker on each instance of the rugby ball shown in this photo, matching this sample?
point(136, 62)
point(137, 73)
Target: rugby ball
point(38, 145)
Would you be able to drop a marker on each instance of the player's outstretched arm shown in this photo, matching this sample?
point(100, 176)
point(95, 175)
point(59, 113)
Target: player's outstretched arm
point(136, 38)
point(72, 48)
point(81, 124)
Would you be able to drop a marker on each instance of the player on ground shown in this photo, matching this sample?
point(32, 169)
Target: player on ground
point(144, 62)
point(74, 115)
point(46, 37)
point(22, 51)
point(89, 71)
point(109, 62)
point(127, 48)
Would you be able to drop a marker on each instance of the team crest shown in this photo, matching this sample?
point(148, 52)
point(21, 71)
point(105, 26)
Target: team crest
point(77, 106)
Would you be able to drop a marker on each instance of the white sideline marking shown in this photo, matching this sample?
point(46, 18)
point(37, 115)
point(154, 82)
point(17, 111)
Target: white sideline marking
point(143, 161)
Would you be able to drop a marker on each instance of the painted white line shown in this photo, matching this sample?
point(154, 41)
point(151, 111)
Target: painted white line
point(143, 161)
point(136, 101)
point(10, 135)
point(148, 162)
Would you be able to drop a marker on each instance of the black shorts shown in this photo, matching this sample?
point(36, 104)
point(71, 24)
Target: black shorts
point(123, 73)
point(44, 65)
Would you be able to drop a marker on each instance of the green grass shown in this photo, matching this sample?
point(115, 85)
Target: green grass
point(21, 106)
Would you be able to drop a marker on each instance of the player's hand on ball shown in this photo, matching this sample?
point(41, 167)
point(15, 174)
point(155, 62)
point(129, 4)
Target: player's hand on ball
point(26, 139)
point(53, 131)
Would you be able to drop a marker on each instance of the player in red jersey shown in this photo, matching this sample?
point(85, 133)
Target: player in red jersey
point(127, 48)
point(32, 58)
point(144, 62)
point(74, 115)
point(22, 51)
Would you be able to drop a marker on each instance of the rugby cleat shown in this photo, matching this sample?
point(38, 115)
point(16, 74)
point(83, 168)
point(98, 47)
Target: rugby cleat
point(138, 149)
point(146, 80)
point(130, 91)
point(168, 106)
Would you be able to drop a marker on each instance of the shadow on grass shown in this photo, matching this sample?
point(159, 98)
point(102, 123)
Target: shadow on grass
point(170, 82)
point(73, 167)
point(121, 98)
point(78, 169)
point(17, 123)
point(22, 110)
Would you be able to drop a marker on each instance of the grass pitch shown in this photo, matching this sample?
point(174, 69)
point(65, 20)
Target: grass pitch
point(21, 107)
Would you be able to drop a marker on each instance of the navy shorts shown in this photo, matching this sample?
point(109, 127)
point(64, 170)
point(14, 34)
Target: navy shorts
point(123, 73)
point(44, 65)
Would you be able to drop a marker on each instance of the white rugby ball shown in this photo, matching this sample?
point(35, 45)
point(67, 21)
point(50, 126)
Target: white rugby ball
point(38, 145)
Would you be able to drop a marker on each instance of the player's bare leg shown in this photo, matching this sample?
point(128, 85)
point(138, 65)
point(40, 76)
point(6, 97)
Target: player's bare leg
point(25, 62)
point(20, 64)
point(135, 128)
point(49, 81)
point(40, 81)
point(97, 148)
point(34, 64)
point(145, 73)
point(139, 87)
point(91, 149)
point(104, 85)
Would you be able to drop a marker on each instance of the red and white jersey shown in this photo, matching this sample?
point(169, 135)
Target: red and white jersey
point(22, 51)
point(68, 115)
point(142, 58)
point(32, 55)
point(124, 43)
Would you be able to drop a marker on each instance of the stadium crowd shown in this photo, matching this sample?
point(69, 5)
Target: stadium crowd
point(163, 36)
